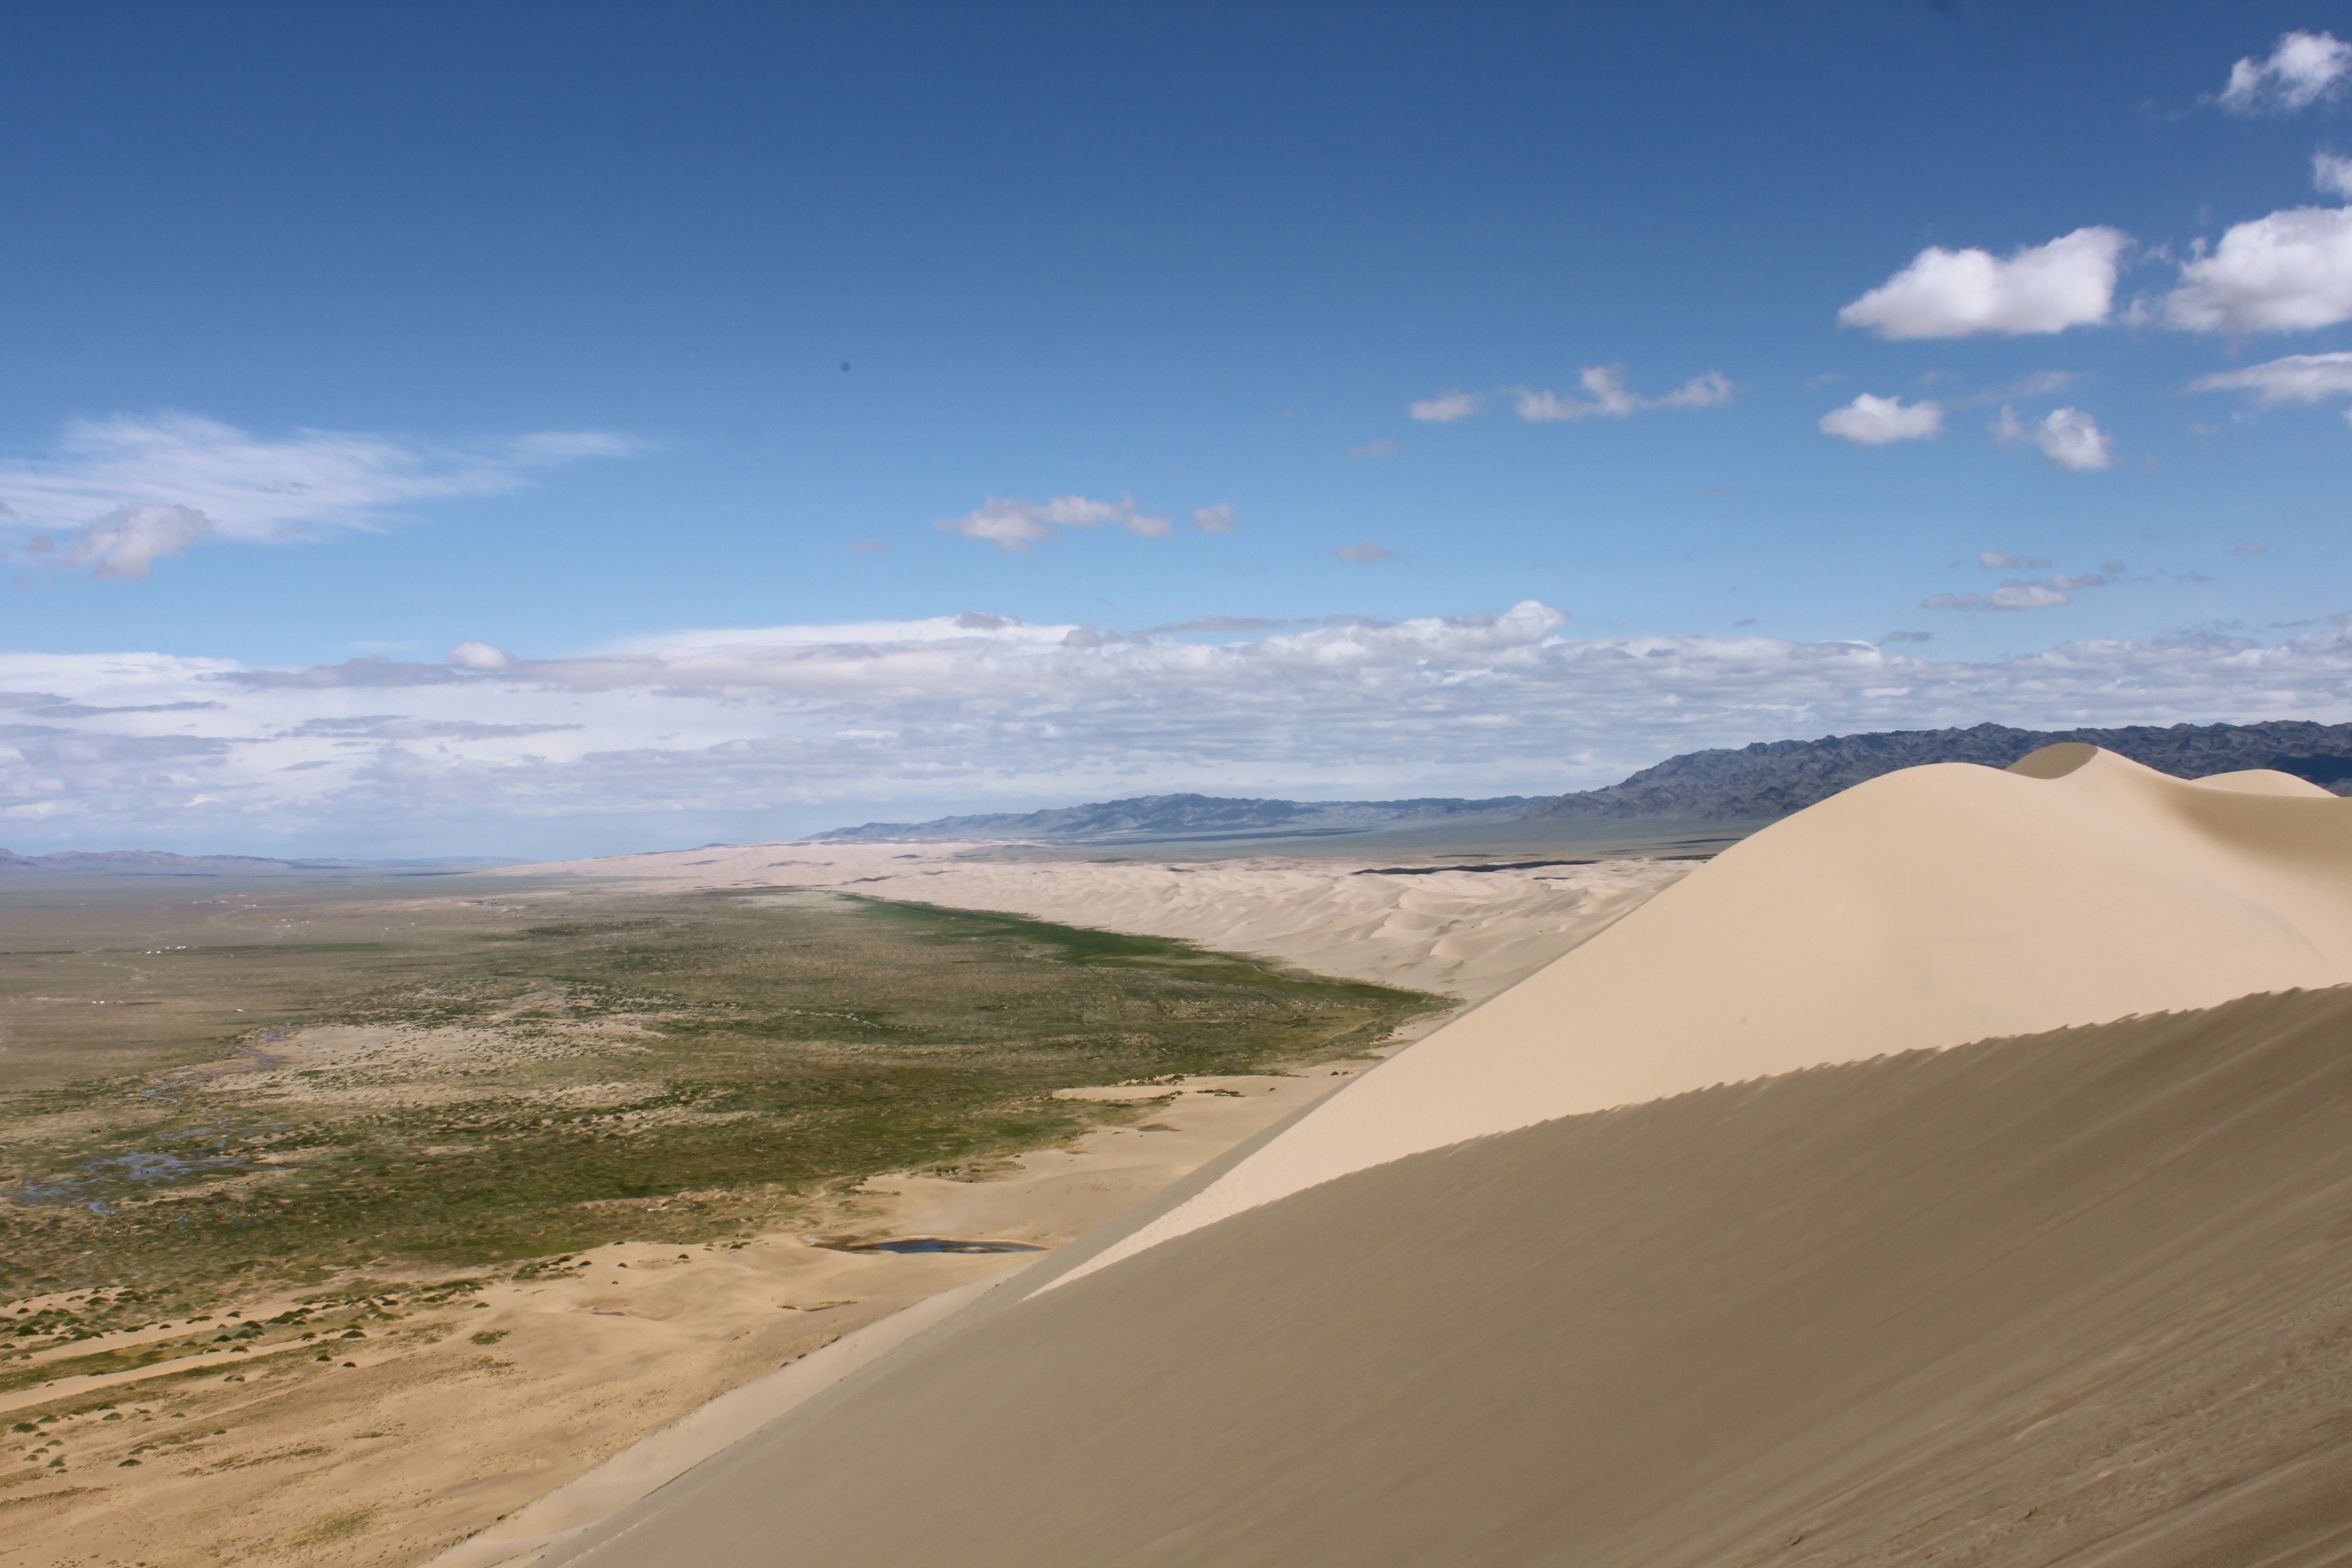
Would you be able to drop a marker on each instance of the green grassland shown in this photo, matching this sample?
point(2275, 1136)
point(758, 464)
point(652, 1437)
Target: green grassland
point(567, 1068)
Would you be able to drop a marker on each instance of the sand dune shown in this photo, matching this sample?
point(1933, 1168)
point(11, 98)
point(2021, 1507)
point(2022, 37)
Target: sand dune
point(1927, 908)
point(1467, 933)
point(1532, 1291)
point(2080, 1297)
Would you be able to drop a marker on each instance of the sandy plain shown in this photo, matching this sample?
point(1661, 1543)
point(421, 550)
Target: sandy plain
point(454, 1410)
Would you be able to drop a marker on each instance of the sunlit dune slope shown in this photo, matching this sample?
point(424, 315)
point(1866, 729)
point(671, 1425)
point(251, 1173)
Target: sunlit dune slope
point(1927, 908)
point(2081, 1298)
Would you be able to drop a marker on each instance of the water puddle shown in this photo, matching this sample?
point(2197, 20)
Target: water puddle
point(92, 1182)
point(928, 1243)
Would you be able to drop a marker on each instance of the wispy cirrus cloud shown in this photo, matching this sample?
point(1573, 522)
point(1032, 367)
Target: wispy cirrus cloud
point(2010, 596)
point(1445, 407)
point(2297, 378)
point(1260, 623)
point(128, 492)
point(1220, 623)
point(2302, 69)
point(1608, 398)
point(2039, 384)
point(1014, 525)
point(2022, 593)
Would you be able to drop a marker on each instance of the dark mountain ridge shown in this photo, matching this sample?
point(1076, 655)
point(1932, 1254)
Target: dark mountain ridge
point(1774, 778)
point(1752, 784)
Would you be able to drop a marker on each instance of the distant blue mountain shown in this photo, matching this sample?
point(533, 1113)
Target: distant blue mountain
point(1746, 784)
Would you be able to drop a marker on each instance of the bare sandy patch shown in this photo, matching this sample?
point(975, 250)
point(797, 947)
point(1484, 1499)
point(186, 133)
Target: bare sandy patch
point(1465, 932)
point(456, 1416)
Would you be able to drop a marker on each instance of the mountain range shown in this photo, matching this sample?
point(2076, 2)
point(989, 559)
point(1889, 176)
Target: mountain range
point(1755, 784)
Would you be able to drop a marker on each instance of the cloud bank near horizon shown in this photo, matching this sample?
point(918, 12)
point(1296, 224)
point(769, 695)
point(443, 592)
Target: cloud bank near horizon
point(795, 727)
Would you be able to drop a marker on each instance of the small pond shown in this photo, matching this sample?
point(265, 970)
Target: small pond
point(929, 1244)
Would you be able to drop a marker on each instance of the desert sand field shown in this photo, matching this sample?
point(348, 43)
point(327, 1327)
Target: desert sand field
point(1954, 1171)
point(1467, 931)
point(451, 1090)
point(341, 1220)
point(453, 1407)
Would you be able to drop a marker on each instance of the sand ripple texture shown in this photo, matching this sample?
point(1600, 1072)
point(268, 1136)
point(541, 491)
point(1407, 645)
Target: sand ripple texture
point(1471, 934)
point(2079, 1298)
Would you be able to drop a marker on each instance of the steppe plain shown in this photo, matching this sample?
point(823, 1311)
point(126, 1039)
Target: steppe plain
point(348, 1216)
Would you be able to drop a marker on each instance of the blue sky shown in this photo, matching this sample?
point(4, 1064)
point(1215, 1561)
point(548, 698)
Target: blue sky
point(363, 332)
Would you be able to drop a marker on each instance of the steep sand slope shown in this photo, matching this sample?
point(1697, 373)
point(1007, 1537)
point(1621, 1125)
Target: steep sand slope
point(1927, 908)
point(2080, 1299)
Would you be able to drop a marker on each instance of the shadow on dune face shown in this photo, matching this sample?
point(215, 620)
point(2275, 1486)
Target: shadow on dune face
point(2081, 1298)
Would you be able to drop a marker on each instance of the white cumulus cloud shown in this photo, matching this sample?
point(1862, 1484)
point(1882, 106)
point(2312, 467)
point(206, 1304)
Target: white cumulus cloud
point(1366, 553)
point(132, 490)
point(1870, 421)
point(1445, 407)
point(1218, 519)
point(2288, 272)
point(2302, 69)
point(2069, 282)
point(2066, 437)
point(2002, 561)
point(1606, 386)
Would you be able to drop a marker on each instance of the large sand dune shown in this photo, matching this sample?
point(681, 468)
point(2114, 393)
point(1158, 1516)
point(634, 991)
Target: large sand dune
point(1927, 908)
point(1533, 1292)
point(2082, 1297)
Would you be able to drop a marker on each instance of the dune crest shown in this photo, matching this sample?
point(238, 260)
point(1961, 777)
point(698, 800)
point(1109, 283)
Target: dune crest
point(1925, 909)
